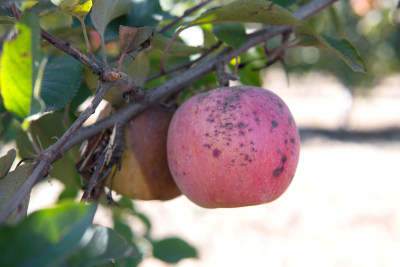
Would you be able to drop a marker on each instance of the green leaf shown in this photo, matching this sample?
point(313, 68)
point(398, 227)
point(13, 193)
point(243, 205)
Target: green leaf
point(139, 69)
point(141, 10)
point(20, 63)
point(285, 3)
point(47, 237)
point(9, 186)
point(126, 203)
point(61, 81)
point(45, 131)
point(341, 48)
point(172, 250)
point(261, 11)
point(177, 48)
point(249, 76)
point(233, 34)
point(104, 11)
point(76, 8)
point(105, 245)
point(6, 161)
point(7, 20)
point(123, 229)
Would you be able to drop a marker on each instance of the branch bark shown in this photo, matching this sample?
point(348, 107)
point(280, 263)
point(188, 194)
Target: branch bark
point(76, 133)
point(195, 73)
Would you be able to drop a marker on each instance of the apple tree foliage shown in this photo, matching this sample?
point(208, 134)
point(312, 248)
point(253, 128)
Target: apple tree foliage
point(57, 55)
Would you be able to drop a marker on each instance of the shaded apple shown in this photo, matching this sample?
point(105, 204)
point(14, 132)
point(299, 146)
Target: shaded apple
point(232, 147)
point(144, 173)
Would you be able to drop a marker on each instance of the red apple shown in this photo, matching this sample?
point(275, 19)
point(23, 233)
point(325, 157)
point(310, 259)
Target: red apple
point(233, 147)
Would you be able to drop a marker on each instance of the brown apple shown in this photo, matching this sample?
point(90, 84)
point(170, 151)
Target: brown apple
point(144, 172)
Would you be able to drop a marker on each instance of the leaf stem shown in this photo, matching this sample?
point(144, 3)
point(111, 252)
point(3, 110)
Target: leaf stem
point(86, 37)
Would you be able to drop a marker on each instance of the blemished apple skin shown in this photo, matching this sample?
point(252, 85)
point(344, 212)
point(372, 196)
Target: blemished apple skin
point(144, 172)
point(233, 147)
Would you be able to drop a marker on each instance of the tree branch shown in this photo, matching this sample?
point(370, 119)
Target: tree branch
point(50, 154)
point(76, 134)
point(91, 62)
point(193, 74)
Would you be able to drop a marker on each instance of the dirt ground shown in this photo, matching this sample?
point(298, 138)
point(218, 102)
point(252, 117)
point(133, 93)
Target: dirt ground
point(342, 209)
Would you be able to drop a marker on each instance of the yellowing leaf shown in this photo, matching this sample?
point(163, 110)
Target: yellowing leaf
point(76, 8)
point(20, 63)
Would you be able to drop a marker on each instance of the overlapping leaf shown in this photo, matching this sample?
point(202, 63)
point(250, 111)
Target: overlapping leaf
point(233, 34)
point(261, 11)
point(76, 8)
point(134, 39)
point(6, 161)
point(20, 63)
point(173, 249)
point(53, 234)
point(104, 11)
point(57, 88)
point(9, 186)
point(341, 48)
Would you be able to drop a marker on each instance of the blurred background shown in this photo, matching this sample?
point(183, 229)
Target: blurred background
point(343, 206)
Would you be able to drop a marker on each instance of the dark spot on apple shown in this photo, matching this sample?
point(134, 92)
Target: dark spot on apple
point(286, 141)
point(251, 129)
point(184, 173)
point(228, 126)
point(284, 159)
point(207, 146)
point(274, 123)
point(241, 133)
point(241, 125)
point(290, 121)
point(216, 153)
point(278, 172)
point(292, 140)
point(241, 145)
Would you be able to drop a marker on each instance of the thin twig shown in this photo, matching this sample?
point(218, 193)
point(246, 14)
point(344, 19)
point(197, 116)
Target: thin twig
point(90, 62)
